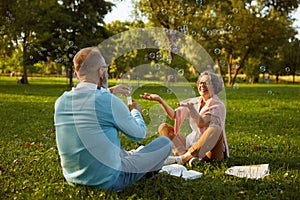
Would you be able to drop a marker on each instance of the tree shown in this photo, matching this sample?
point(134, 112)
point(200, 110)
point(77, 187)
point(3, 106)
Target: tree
point(53, 30)
point(72, 26)
point(122, 63)
point(230, 30)
point(117, 26)
point(264, 37)
point(17, 26)
point(291, 61)
point(5, 51)
point(253, 69)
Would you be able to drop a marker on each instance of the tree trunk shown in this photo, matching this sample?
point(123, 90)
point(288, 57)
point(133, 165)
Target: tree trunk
point(242, 64)
point(25, 76)
point(220, 70)
point(294, 74)
point(229, 67)
point(71, 76)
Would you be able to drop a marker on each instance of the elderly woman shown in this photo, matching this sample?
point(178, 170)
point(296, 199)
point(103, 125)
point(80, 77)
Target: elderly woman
point(206, 115)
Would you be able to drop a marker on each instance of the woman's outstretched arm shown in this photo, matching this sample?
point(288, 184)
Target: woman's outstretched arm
point(166, 107)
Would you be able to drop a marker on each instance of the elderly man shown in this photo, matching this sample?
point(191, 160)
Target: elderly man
point(88, 122)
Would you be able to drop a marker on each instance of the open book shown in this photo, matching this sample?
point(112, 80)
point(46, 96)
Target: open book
point(181, 171)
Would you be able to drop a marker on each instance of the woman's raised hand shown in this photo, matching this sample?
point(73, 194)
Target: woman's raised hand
point(151, 97)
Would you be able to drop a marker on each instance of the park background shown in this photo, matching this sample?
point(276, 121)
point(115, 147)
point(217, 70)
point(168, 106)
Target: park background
point(248, 41)
point(251, 38)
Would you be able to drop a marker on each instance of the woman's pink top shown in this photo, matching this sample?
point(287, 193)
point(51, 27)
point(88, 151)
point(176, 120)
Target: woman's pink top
point(214, 107)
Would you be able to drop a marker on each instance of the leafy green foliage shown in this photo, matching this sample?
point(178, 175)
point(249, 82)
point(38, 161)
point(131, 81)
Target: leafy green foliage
point(232, 32)
point(51, 30)
point(262, 127)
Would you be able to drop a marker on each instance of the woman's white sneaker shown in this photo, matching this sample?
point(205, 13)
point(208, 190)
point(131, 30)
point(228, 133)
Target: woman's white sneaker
point(172, 160)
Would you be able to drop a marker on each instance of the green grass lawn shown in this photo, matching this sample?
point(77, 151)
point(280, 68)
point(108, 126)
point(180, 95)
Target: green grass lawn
point(262, 126)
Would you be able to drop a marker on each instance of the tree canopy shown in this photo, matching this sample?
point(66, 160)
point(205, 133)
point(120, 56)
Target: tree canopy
point(232, 31)
point(52, 30)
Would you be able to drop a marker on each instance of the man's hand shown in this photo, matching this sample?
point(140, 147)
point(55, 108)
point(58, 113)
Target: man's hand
point(135, 106)
point(120, 89)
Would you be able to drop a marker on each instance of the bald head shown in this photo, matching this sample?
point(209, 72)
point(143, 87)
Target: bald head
point(87, 63)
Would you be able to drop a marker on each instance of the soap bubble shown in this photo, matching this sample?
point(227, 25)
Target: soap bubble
point(222, 62)
point(152, 56)
point(209, 33)
point(161, 118)
point(157, 66)
point(197, 14)
point(157, 43)
point(287, 69)
point(169, 59)
point(228, 26)
point(180, 12)
point(198, 2)
point(220, 32)
point(173, 48)
point(262, 69)
point(164, 11)
point(217, 51)
point(181, 72)
point(149, 15)
point(158, 56)
point(235, 10)
point(143, 46)
point(169, 91)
